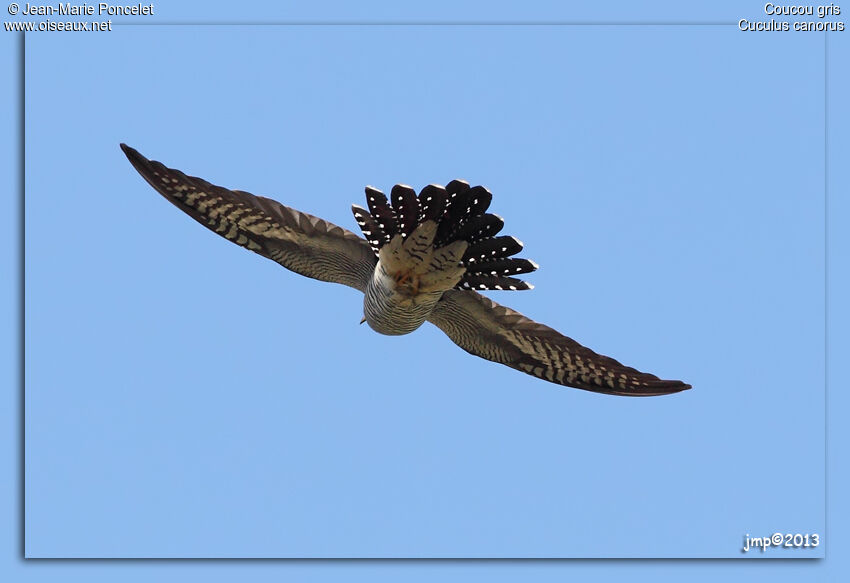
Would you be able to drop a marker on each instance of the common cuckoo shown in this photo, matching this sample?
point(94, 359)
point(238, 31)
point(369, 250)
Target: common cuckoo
point(423, 258)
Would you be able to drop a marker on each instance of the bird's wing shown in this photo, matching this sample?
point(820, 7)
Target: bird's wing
point(300, 242)
point(486, 329)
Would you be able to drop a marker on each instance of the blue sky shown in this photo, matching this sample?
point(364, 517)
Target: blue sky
point(186, 398)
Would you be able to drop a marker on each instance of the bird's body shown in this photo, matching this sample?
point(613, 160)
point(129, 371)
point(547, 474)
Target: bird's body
point(393, 303)
point(421, 260)
point(408, 281)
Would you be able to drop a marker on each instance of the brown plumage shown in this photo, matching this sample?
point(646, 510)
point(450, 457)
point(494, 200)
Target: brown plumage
point(421, 260)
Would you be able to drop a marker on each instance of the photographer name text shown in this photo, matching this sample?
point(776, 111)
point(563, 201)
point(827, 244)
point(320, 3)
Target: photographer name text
point(99, 9)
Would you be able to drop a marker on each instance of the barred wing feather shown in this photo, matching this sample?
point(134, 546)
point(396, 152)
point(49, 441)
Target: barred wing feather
point(494, 332)
point(298, 241)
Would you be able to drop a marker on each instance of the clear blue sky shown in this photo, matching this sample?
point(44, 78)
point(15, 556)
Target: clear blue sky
point(186, 398)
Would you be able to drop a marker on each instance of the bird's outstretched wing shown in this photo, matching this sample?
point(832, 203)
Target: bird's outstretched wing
point(300, 242)
point(486, 329)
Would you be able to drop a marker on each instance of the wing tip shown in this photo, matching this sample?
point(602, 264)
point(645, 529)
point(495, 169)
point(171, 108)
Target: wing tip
point(138, 161)
point(129, 151)
point(664, 388)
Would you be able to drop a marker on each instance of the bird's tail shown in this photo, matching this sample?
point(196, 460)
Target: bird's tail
point(458, 213)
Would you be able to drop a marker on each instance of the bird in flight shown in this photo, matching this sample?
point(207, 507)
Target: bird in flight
point(423, 258)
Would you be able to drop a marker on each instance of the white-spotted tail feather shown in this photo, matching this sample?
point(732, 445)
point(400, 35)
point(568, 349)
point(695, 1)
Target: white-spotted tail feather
point(454, 213)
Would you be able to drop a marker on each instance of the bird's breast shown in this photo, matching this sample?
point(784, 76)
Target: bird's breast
point(393, 303)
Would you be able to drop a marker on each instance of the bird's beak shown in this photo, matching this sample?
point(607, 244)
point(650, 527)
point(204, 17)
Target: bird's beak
point(363, 320)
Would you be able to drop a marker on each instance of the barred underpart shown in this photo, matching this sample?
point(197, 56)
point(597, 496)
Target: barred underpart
point(459, 212)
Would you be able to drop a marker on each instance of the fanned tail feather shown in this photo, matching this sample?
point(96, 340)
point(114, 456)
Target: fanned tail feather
point(381, 211)
point(431, 228)
point(374, 234)
point(406, 207)
point(480, 227)
point(432, 200)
